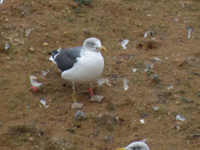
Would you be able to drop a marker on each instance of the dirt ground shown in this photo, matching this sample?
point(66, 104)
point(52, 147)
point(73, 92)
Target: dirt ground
point(165, 82)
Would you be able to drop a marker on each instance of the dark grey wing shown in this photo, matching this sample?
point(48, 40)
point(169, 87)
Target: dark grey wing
point(67, 57)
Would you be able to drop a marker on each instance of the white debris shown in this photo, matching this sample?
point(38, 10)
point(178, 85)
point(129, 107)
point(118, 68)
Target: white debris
point(125, 84)
point(7, 46)
point(142, 121)
point(148, 67)
point(155, 108)
point(156, 59)
point(28, 32)
point(97, 98)
point(44, 73)
point(124, 43)
point(148, 33)
point(189, 32)
point(102, 81)
point(77, 105)
point(170, 87)
point(33, 81)
point(1, 1)
point(43, 102)
point(134, 70)
point(180, 118)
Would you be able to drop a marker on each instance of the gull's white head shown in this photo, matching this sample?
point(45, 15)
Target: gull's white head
point(139, 145)
point(93, 44)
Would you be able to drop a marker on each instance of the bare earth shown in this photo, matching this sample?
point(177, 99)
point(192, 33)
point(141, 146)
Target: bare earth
point(171, 87)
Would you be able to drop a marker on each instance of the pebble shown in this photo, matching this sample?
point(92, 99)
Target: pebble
point(79, 115)
point(31, 49)
point(97, 98)
point(77, 105)
point(155, 108)
point(134, 70)
point(108, 138)
point(156, 78)
point(28, 32)
point(45, 44)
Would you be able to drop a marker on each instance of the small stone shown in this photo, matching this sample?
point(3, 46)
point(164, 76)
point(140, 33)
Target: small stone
point(79, 115)
point(31, 139)
point(156, 78)
point(86, 31)
point(170, 87)
point(31, 49)
point(102, 81)
point(97, 98)
point(178, 102)
point(77, 105)
point(8, 58)
point(28, 32)
point(71, 130)
point(186, 100)
point(155, 108)
point(156, 59)
point(45, 44)
point(108, 138)
point(134, 70)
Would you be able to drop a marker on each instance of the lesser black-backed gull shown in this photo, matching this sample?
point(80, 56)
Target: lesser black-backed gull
point(80, 64)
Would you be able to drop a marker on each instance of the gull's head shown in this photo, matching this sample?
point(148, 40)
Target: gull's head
point(93, 44)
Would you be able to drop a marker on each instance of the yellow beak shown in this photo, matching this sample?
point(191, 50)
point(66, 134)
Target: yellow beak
point(103, 49)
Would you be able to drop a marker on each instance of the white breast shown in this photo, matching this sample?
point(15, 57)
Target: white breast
point(88, 67)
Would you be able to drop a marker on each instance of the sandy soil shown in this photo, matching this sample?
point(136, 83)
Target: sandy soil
point(157, 94)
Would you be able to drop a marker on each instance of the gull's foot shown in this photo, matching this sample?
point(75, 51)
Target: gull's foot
point(91, 92)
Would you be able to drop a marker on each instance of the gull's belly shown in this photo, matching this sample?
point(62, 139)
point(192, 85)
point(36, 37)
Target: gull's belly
point(86, 69)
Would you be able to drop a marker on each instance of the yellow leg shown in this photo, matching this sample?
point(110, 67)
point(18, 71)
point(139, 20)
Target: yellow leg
point(74, 92)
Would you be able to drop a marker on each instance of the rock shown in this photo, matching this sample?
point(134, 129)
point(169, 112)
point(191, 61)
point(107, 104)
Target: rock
point(45, 44)
point(79, 115)
point(97, 98)
point(77, 105)
point(155, 78)
point(155, 108)
point(108, 138)
point(31, 49)
point(28, 32)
